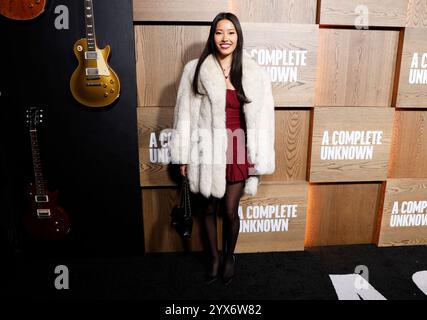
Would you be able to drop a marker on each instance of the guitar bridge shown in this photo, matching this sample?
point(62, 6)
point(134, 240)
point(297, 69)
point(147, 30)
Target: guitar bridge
point(42, 198)
point(43, 213)
point(93, 84)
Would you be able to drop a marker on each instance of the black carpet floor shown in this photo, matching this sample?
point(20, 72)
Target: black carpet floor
point(179, 276)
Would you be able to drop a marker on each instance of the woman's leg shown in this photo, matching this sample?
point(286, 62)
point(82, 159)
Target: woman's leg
point(211, 235)
point(231, 226)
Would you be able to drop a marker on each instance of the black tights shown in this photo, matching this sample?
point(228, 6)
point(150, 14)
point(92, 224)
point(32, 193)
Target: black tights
point(231, 226)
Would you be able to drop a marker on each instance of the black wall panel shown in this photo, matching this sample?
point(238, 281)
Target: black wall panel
point(90, 155)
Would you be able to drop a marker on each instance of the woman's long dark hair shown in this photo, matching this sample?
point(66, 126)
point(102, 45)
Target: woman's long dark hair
point(236, 67)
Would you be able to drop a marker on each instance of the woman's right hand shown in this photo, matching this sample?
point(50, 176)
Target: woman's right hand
point(183, 169)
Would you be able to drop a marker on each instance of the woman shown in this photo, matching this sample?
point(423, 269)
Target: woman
point(221, 95)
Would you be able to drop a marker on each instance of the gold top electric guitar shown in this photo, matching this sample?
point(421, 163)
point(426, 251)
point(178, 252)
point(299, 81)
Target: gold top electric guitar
point(93, 83)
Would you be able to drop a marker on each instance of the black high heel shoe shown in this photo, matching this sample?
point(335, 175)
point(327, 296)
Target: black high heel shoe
point(211, 277)
point(227, 279)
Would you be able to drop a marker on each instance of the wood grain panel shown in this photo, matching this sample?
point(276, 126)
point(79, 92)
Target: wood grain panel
point(342, 214)
point(289, 54)
point(404, 217)
point(178, 10)
point(282, 11)
point(154, 154)
point(412, 91)
point(417, 14)
point(159, 64)
point(409, 148)
point(366, 168)
point(356, 67)
point(278, 196)
point(292, 131)
point(387, 13)
point(159, 235)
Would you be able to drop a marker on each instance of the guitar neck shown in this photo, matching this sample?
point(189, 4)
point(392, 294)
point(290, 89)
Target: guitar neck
point(38, 174)
point(90, 25)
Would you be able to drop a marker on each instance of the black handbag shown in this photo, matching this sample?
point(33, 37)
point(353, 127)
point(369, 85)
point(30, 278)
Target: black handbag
point(182, 219)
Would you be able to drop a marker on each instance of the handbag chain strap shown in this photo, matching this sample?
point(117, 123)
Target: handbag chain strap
point(187, 198)
point(182, 195)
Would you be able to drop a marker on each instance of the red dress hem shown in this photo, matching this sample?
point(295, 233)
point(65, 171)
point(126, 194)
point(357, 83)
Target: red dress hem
point(235, 120)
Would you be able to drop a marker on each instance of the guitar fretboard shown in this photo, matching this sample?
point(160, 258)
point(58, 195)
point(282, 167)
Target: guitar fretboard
point(90, 25)
point(38, 174)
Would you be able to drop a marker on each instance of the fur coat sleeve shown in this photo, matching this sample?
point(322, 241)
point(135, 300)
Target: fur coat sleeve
point(181, 133)
point(265, 156)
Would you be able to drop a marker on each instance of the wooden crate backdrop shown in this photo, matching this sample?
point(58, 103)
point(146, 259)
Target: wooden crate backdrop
point(412, 90)
point(404, 216)
point(350, 144)
point(291, 11)
point(355, 77)
point(356, 68)
point(409, 145)
point(388, 13)
point(417, 14)
point(283, 227)
point(289, 55)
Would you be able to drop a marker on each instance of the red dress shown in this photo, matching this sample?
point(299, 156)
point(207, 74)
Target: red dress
point(237, 169)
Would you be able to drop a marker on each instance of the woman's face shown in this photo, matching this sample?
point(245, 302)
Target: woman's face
point(225, 37)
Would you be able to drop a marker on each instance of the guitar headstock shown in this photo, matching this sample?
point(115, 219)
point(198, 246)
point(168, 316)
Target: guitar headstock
point(34, 116)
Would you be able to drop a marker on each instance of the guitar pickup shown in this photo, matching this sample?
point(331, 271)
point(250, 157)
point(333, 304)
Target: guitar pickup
point(42, 198)
point(43, 213)
point(92, 72)
point(91, 55)
point(93, 84)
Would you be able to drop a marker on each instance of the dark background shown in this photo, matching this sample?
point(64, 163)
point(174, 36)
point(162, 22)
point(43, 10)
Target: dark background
point(90, 155)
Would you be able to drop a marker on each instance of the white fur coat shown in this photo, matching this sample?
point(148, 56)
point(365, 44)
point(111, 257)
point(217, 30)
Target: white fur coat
point(199, 137)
